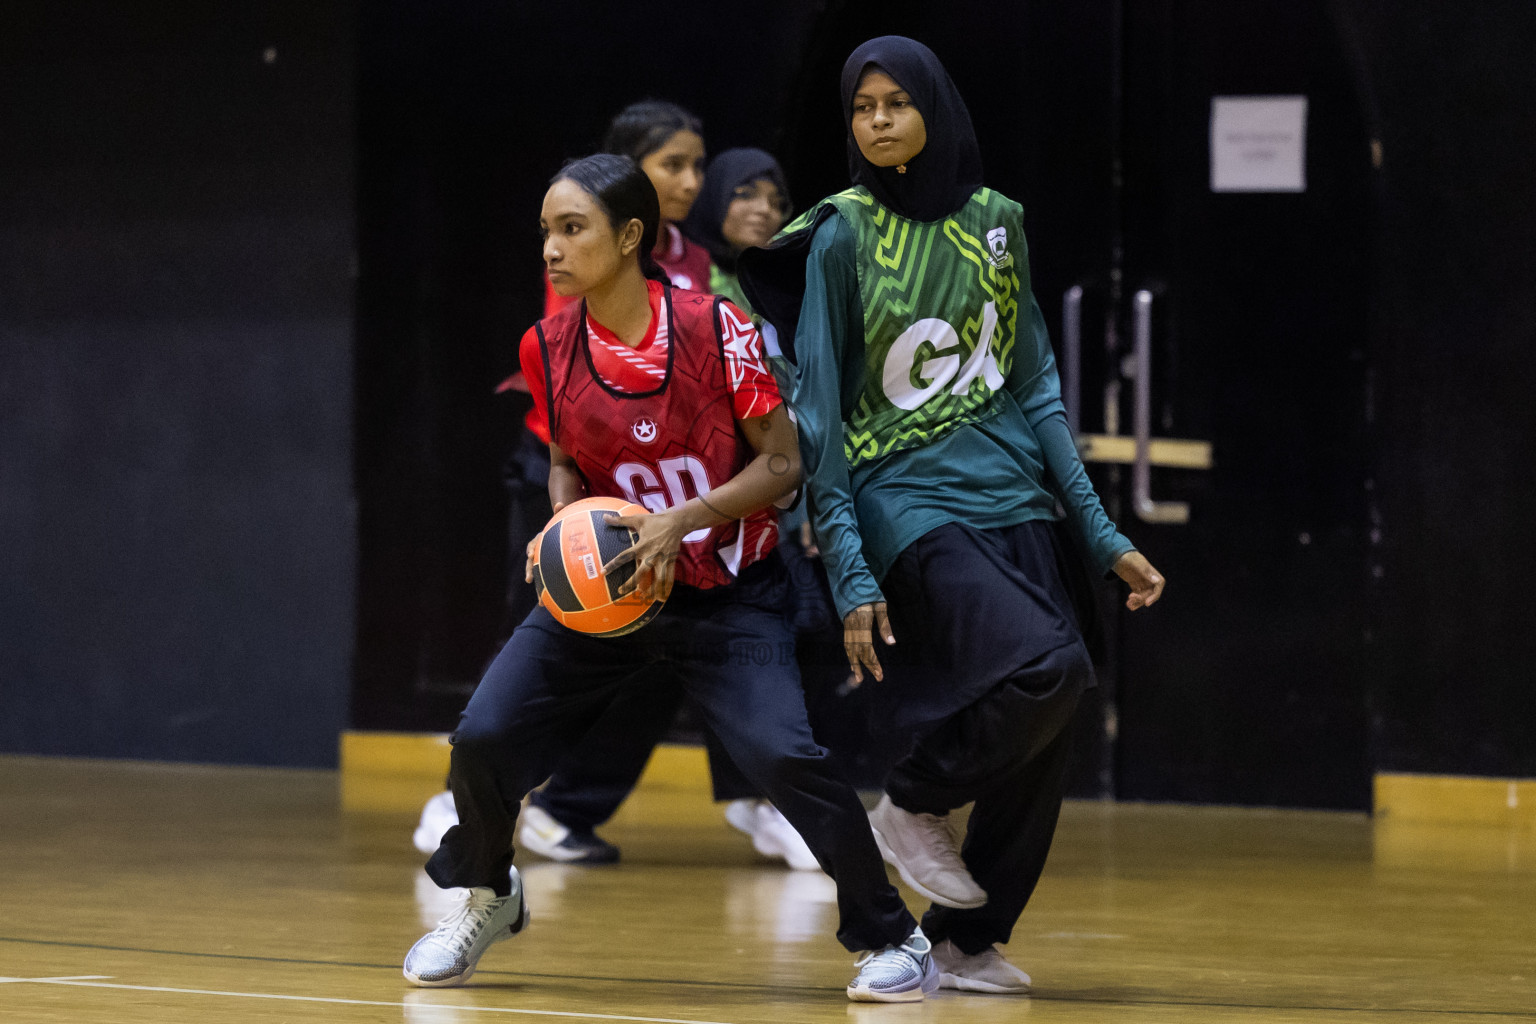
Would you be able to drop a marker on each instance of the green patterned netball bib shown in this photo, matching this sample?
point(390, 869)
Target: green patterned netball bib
point(940, 305)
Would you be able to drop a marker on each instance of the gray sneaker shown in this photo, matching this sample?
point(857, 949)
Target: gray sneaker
point(922, 850)
point(447, 955)
point(896, 974)
point(987, 971)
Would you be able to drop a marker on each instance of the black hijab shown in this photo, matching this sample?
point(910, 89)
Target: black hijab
point(726, 172)
point(940, 179)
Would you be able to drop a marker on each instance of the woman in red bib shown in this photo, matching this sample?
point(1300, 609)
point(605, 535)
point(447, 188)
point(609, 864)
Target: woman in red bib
point(662, 397)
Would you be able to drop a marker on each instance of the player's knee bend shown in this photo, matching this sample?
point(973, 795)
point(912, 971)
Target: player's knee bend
point(479, 740)
point(1059, 674)
point(512, 753)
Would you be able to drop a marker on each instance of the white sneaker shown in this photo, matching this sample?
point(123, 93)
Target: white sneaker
point(437, 817)
point(448, 954)
point(545, 836)
point(772, 834)
point(742, 815)
point(896, 974)
point(776, 837)
point(986, 971)
point(922, 850)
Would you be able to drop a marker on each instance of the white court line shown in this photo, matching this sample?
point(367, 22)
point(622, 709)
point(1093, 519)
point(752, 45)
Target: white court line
point(81, 983)
point(72, 977)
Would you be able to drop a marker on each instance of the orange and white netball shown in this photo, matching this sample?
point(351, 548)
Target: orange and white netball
point(568, 560)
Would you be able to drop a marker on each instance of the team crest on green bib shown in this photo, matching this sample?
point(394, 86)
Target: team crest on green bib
point(997, 241)
point(941, 303)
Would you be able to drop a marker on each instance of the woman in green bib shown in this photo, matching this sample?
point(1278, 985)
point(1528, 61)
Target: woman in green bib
point(936, 450)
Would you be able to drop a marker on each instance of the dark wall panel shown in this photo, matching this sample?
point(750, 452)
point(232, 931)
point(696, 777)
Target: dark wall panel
point(175, 241)
point(1454, 91)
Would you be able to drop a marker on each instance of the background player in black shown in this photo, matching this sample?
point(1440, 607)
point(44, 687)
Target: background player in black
point(743, 204)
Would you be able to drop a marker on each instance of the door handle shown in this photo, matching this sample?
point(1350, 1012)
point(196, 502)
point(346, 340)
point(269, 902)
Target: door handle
point(1072, 356)
point(1141, 479)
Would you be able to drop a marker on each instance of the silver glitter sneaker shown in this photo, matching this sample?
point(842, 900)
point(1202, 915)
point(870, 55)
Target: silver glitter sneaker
point(448, 954)
point(896, 974)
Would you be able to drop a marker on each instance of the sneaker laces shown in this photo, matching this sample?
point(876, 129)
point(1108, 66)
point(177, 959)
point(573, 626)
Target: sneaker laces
point(449, 930)
point(890, 953)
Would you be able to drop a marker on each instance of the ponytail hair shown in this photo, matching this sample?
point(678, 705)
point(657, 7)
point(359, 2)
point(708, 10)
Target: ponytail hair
point(624, 193)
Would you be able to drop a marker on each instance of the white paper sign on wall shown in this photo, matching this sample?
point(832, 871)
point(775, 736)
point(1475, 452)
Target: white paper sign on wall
point(1258, 144)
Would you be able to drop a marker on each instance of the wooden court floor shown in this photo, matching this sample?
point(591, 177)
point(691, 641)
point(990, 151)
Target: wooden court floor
point(135, 892)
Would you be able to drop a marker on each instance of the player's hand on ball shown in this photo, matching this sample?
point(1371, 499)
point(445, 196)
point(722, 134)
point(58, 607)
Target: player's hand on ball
point(654, 552)
point(859, 629)
point(1145, 582)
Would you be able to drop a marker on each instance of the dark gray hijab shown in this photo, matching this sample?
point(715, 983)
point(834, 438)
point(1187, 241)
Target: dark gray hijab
point(725, 172)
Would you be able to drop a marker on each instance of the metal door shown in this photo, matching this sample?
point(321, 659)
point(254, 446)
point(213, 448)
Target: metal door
point(1215, 365)
point(1245, 685)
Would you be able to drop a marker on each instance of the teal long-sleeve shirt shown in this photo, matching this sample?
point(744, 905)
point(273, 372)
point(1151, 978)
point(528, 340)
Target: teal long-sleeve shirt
point(1004, 470)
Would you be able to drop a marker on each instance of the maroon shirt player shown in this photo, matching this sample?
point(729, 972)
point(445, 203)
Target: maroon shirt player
point(646, 387)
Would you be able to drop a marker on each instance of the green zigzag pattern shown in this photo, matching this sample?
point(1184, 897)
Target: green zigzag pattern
point(903, 252)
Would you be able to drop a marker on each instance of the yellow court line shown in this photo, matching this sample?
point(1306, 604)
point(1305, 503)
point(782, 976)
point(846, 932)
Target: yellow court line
point(353, 1002)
